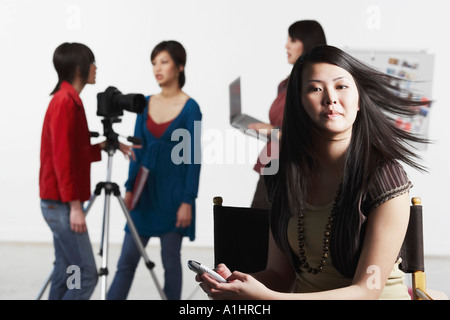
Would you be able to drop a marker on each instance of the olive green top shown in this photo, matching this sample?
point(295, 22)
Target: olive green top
point(315, 219)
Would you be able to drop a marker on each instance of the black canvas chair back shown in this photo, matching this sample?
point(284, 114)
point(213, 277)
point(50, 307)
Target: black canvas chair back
point(412, 252)
point(240, 237)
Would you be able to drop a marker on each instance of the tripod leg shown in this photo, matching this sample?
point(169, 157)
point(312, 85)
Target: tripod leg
point(104, 248)
point(44, 287)
point(140, 247)
point(90, 203)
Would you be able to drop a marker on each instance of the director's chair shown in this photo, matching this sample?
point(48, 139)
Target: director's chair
point(241, 242)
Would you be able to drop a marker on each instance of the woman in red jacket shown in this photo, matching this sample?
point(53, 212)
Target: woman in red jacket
point(64, 178)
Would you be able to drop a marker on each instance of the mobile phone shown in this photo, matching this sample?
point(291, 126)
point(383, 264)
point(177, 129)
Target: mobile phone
point(201, 269)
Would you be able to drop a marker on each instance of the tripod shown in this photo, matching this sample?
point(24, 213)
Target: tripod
point(112, 144)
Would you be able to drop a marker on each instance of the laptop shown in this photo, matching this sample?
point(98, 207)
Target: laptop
point(238, 119)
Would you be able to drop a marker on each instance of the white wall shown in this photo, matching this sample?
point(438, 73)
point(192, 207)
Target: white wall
point(224, 40)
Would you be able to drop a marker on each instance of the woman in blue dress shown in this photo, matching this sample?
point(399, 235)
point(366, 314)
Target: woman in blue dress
point(170, 131)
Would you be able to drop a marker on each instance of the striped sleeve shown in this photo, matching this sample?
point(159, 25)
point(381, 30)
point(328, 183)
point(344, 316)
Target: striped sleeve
point(390, 181)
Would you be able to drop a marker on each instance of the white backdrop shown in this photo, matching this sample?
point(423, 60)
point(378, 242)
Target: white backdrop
point(223, 39)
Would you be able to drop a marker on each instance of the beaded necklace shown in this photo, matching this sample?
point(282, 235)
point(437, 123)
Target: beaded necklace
point(326, 238)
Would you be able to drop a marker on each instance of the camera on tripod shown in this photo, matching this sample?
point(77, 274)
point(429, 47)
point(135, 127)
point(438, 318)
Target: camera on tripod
point(112, 102)
point(110, 105)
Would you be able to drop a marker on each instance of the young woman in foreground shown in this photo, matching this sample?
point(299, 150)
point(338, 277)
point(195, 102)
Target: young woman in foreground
point(340, 201)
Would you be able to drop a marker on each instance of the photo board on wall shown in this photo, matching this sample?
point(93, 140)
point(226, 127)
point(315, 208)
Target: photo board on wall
point(415, 69)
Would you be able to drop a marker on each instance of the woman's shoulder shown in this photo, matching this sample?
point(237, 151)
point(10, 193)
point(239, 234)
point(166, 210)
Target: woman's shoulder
point(390, 173)
point(389, 181)
point(192, 105)
point(282, 86)
point(191, 101)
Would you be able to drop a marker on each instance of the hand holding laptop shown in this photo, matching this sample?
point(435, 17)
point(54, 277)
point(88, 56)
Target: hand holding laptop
point(263, 128)
point(241, 120)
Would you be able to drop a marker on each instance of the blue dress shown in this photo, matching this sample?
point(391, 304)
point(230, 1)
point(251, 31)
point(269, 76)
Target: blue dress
point(174, 164)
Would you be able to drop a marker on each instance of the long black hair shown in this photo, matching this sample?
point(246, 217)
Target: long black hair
point(67, 58)
point(375, 140)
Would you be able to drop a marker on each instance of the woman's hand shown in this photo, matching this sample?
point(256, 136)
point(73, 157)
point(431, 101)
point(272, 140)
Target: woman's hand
point(261, 127)
point(128, 198)
point(240, 286)
point(125, 149)
point(265, 128)
point(221, 269)
point(184, 216)
point(77, 217)
point(128, 150)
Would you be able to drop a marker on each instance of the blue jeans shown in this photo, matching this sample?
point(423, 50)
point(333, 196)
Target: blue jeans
point(75, 273)
point(129, 259)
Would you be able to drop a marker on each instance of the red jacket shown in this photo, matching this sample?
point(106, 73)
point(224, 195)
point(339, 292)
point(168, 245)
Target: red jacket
point(66, 150)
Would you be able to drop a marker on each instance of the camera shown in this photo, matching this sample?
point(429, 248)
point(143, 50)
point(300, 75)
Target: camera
point(110, 105)
point(112, 102)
